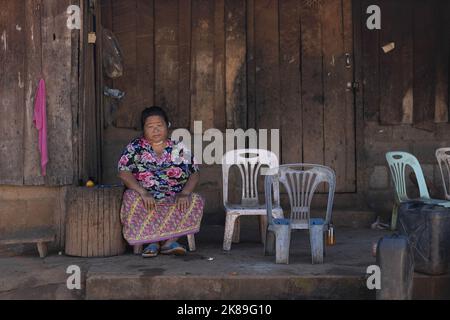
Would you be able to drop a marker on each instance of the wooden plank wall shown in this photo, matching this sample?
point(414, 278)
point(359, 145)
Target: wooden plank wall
point(408, 85)
point(35, 42)
point(264, 64)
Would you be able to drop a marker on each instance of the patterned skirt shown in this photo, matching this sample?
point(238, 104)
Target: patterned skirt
point(164, 222)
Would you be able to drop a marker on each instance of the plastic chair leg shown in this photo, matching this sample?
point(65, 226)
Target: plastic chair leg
point(394, 216)
point(316, 239)
point(283, 241)
point(229, 229)
point(269, 246)
point(263, 228)
point(237, 231)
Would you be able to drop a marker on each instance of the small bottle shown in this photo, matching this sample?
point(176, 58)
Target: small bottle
point(331, 240)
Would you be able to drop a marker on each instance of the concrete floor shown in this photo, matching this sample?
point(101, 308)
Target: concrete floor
point(210, 273)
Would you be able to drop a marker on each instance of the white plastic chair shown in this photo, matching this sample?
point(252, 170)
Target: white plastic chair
point(301, 182)
point(249, 162)
point(443, 158)
point(398, 161)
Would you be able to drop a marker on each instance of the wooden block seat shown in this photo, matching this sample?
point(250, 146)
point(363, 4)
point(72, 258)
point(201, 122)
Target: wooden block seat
point(41, 236)
point(93, 227)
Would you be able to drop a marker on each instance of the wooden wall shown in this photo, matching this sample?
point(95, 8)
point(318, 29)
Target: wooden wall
point(36, 43)
point(408, 85)
point(263, 64)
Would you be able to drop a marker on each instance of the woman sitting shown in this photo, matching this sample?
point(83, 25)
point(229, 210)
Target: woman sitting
point(159, 205)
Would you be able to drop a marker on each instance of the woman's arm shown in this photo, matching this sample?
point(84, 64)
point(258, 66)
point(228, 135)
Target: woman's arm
point(182, 197)
point(131, 183)
point(191, 183)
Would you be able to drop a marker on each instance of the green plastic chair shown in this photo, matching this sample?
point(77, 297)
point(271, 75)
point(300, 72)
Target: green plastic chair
point(398, 161)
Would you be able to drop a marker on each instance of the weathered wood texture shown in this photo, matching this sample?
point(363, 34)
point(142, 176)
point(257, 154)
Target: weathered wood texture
point(12, 83)
point(93, 227)
point(409, 84)
point(88, 129)
point(265, 64)
point(36, 43)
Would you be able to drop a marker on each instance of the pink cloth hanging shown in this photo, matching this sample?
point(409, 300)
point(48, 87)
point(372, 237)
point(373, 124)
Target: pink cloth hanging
point(40, 121)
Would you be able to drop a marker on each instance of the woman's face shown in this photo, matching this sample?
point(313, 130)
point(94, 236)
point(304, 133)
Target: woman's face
point(155, 129)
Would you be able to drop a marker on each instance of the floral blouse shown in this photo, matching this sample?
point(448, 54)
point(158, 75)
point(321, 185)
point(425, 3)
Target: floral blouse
point(161, 176)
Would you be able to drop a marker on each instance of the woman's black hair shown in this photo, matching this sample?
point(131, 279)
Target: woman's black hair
point(154, 111)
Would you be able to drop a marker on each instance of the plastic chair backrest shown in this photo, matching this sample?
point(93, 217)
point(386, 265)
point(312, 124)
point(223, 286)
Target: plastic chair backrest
point(443, 158)
point(398, 161)
point(301, 181)
point(249, 162)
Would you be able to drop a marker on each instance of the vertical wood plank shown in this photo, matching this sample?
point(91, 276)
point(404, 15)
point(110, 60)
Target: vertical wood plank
point(348, 76)
point(202, 65)
point(92, 222)
point(312, 88)
point(32, 29)
point(442, 29)
point(101, 223)
point(219, 66)
point(166, 57)
point(56, 66)
point(267, 65)
point(99, 87)
point(358, 25)
point(107, 14)
point(291, 106)
point(145, 51)
point(236, 87)
point(424, 63)
point(338, 129)
point(333, 65)
point(12, 93)
point(251, 67)
point(75, 97)
point(396, 87)
point(370, 60)
point(184, 59)
point(124, 27)
point(88, 118)
point(106, 223)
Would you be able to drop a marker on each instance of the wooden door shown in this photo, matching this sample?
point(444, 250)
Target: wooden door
point(263, 64)
point(302, 70)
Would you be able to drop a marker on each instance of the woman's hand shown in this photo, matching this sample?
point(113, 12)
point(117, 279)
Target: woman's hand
point(149, 201)
point(182, 201)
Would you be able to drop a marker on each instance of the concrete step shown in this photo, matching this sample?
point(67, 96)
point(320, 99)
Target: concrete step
point(150, 285)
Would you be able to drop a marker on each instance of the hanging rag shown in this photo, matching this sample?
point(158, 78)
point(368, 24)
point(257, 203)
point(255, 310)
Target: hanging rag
point(40, 121)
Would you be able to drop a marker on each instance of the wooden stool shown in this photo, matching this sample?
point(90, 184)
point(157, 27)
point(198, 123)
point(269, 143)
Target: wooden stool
point(40, 236)
point(93, 227)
